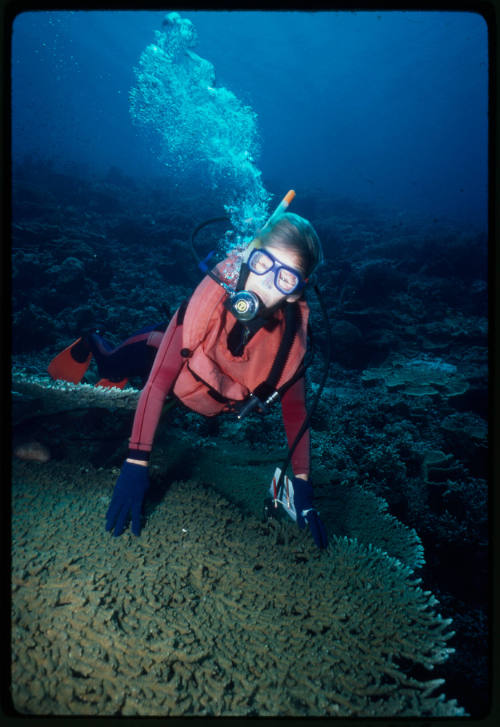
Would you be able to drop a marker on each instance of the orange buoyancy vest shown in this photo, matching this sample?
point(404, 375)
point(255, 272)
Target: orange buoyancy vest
point(209, 362)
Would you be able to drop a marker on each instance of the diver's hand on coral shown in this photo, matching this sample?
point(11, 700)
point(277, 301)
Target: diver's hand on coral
point(127, 498)
point(306, 513)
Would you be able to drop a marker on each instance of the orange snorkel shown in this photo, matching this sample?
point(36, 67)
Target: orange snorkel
point(282, 207)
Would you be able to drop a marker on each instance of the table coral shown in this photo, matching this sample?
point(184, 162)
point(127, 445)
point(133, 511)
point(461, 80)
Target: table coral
point(419, 376)
point(208, 612)
point(38, 394)
point(357, 513)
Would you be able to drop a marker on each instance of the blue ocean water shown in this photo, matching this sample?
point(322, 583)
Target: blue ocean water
point(387, 108)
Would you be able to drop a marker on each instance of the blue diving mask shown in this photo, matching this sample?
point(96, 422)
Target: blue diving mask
point(287, 280)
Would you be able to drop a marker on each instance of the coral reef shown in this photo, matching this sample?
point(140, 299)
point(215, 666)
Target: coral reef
point(350, 510)
point(360, 514)
point(34, 395)
point(208, 613)
point(346, 509)
point(466, 434)
point(397, 289)
point(422, 376)
point(437, 466)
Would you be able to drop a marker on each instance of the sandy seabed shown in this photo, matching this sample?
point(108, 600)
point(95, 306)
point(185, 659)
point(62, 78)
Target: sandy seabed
point(208, 612)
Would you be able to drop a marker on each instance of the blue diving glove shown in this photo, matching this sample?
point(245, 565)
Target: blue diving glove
point(127, 498)
point(306, 513)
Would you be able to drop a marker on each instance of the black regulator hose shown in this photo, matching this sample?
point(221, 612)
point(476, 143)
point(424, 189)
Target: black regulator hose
point(202, 264)
point(312, 409)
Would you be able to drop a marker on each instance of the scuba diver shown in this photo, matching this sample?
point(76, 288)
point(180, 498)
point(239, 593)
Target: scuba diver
point(228, 350)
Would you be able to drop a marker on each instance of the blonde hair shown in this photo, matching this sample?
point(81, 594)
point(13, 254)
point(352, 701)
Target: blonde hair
point(292, 232)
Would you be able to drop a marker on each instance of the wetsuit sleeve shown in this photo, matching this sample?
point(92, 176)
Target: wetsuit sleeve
point(293, 407)
point(166, 367)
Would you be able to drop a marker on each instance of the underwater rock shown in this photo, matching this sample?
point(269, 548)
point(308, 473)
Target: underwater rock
point(32, 451)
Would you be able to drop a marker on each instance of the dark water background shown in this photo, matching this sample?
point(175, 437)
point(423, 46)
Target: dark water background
point(388, 108)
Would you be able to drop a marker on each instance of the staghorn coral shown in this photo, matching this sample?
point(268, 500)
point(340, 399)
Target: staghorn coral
point(422, 376)
point(208, 613)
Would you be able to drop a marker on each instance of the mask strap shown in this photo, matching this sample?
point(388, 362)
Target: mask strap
point(243, 276)
point(254, 245)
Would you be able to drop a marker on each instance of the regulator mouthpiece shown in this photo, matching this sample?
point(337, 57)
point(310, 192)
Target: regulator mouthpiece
point(244, 305)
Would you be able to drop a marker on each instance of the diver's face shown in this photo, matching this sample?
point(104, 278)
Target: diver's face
point(263, 285)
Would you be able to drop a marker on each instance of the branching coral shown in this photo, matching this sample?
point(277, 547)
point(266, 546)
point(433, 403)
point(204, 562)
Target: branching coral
point(209, 613)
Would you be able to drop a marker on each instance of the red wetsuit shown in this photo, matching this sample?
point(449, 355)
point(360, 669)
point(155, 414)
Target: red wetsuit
point(166, 368)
